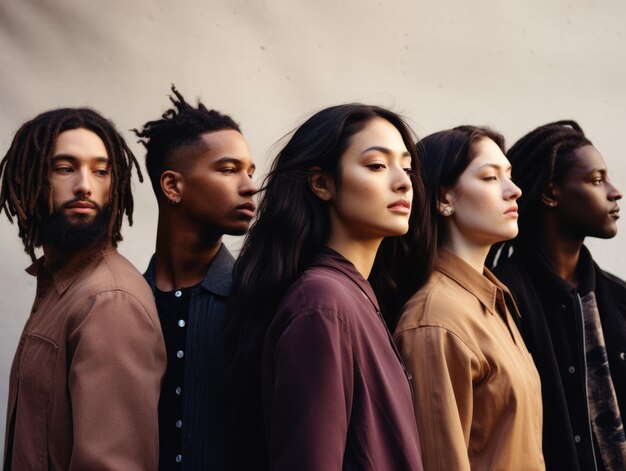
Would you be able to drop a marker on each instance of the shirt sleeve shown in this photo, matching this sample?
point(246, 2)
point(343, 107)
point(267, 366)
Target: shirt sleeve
point(117, 359)
point(442, 367)
point(309, 394)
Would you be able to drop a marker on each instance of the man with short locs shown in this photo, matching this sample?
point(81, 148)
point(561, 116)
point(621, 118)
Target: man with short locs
point(201, 172)
point(86, 376)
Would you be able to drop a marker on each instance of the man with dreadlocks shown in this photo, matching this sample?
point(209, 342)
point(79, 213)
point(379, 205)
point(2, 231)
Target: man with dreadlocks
point(573, 314)
point(201, 172)
point(86, 377)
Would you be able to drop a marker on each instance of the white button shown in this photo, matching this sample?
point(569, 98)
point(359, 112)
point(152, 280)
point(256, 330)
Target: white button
point(571, 369)
point(179, 458)
point(178, 390)
point(622, 355)
point(181, 323)
point(577, 438)
point(179, 423)
point(180, 354)
point(178, 293)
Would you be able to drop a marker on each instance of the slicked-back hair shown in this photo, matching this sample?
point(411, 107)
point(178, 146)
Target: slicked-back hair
point(25, 193)
point(180, 126)
point(541, 157)
point(445, 156)
point(292, 226)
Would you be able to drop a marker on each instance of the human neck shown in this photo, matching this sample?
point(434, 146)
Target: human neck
point(361, 253)
point(182, 255)
point(562, 251)
point(474, 254)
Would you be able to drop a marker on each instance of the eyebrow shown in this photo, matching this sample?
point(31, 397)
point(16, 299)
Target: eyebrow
point(74, 159)
point(384, 150)
point(232, 160)
point(495, 166)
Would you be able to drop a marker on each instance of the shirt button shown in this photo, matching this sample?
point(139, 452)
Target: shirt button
point(571, 369)
point(577, 438)
point(178, 390)
point(180, 354)
point(622, 356)
point(181, 323)
point(178, 293)
point(179, 423)
point(179, 458)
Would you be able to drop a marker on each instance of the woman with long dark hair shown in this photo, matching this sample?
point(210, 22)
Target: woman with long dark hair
point(309, 347)
point(477, 396)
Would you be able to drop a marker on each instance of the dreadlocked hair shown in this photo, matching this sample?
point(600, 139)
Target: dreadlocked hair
point(541, 157)
point(25, 192)
point(180, 126)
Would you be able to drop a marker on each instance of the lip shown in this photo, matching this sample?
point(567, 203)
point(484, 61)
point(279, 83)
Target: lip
point(247, 209)
point(512, 212)
point(400, 207)
point(81, 207)
point(614, 213)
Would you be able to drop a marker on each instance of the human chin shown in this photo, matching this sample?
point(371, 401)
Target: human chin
point(71, 234)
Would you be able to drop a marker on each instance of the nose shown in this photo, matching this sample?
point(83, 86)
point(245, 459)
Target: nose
point(82, 183)
point(614, 193)
point(248, 186)
point(402, 182)
point(512, 191)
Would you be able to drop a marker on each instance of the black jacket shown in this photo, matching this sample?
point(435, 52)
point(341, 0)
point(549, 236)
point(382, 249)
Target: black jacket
point(551, 325)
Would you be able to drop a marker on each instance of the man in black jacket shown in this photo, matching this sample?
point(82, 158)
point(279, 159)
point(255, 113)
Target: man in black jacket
point(573, 313)
point(201, 172)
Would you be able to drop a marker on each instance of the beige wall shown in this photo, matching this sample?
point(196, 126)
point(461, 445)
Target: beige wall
point(511, 65)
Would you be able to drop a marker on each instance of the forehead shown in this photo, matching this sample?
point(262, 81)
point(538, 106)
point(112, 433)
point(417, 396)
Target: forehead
point(487, 152)
point(587, 159)
point(378, 132)
point(225, 143)
point(80, 144)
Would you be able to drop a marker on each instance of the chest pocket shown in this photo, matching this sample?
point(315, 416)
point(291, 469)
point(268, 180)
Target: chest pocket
point(35, 391)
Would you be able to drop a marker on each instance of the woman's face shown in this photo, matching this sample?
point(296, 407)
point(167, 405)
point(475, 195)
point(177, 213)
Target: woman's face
point(585, 202)
point(374, 196)
point(483, 199)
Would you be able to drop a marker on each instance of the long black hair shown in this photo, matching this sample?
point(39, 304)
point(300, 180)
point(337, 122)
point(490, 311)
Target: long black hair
point(541, 157)
point(445, 156)
point(292, 227)
point(25, 192)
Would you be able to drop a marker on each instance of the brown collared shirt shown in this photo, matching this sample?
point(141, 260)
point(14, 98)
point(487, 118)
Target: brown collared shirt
point(477, 392)
point(86, 377)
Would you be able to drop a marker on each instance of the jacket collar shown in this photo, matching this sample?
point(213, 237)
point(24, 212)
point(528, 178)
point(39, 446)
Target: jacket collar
point(487, 289)
point(329, 258)
point(218, 278)
point(65, 271)
point(541, 268)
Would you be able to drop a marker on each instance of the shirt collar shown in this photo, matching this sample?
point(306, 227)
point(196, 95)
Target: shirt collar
point(64, 271)
point(218, 278)
point(330, 258)
point(487, 289)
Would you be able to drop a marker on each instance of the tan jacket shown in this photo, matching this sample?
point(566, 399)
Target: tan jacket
point(86, 377)
point(477, 392)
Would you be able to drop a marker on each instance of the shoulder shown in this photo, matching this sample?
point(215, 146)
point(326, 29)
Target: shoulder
point(436, 304)
point(113, 280)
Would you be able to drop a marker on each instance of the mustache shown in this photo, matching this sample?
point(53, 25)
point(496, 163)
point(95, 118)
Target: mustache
point(81, 199)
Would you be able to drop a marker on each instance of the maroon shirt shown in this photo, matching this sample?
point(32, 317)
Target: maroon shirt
point(335, 394)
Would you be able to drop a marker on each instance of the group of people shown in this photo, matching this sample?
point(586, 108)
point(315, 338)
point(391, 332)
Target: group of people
point(398, 304)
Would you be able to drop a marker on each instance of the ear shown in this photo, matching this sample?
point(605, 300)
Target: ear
point(445, 199)
point(550, 196)
point(322, 184)
point(172, 186)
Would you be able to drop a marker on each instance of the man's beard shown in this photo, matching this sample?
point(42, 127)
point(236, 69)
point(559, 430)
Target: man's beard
point(59, 232)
